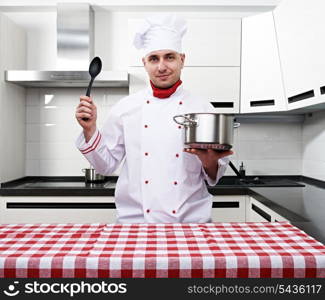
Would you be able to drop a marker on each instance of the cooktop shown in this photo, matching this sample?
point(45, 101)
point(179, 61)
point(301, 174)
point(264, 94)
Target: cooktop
point(65, 184)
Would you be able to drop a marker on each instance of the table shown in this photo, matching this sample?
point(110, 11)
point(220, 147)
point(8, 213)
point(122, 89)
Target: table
point(159, 250)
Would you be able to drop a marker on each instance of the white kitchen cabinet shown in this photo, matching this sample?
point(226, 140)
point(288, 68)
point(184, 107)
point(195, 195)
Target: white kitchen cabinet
point(212, 42)
point(300, 28)
point(11, 214)
point(255, 217)
point(3, 50)
point(258, 212)
point(208, 42)
point(219, 85)
point(261, 79)
point(279, 218)
point(229, 208)
point(138, 79)
point(2, 210)
point(12, 101)
point(226, 208)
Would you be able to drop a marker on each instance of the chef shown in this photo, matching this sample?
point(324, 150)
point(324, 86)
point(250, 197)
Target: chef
point(160, 181)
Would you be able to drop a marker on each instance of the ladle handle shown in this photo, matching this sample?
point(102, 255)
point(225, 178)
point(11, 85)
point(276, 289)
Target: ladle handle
point(88, 94)
point(89, 87)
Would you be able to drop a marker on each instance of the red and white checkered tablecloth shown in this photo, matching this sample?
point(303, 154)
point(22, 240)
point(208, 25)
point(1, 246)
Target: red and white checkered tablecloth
point(159, 250)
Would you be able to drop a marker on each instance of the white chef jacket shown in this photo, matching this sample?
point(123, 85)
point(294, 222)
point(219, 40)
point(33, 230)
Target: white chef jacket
point(158, 182)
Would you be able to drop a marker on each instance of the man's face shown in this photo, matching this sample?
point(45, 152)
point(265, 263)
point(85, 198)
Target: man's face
point(164, 67)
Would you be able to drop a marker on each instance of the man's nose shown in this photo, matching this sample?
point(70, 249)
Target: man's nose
point(162, 66)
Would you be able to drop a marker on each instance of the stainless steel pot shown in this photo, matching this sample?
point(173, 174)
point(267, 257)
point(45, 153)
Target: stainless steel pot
point(208, 130)
point(92, 176)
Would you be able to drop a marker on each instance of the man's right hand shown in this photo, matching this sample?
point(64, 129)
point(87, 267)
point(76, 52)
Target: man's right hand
point(86, 115)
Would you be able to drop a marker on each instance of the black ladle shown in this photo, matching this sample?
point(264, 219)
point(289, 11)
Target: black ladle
point(94, 69)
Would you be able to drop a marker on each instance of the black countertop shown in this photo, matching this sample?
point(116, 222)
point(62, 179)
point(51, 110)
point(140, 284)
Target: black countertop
point(58, 186)
point(297, 198)
point(76, 186)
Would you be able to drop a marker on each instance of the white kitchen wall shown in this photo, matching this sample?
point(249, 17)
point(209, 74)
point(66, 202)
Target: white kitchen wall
point(313, 137)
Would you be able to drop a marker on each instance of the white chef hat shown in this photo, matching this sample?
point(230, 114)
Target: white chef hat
point(160, 32)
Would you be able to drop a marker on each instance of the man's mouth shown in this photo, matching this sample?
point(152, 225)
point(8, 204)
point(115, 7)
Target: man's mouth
point(163, 76)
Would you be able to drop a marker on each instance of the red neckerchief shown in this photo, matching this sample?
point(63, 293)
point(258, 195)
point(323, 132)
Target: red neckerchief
point(165, 93)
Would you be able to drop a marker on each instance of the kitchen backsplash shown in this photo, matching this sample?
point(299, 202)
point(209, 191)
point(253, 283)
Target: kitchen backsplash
point(51, 130)
point(268, 148)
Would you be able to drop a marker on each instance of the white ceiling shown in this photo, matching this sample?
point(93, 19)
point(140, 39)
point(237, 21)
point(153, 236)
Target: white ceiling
point(216, 5)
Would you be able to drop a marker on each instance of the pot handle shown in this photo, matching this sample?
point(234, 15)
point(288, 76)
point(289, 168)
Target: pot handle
point(236, 125)
point(187, 120)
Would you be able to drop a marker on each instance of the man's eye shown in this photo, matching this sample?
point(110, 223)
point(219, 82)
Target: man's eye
point(152, 58)
point(170, 57)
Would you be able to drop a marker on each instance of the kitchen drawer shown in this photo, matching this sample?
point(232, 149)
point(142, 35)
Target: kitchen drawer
point(58, 210)
point(229, 208)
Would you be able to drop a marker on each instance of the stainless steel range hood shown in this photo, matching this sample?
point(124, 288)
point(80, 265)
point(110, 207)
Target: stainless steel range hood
point(75, 40)
point(66, 78)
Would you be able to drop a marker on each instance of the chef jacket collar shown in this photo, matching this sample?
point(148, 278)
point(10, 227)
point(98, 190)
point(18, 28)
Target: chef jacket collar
point(165, 93)
point(177, 93)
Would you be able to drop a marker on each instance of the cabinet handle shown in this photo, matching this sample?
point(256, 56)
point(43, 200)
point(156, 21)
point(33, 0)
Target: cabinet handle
point(261, 212)
point(262, 102)
point(223, 104)
point(302, 96)
point(58, 205)
point(223, 204)
point(322, 89)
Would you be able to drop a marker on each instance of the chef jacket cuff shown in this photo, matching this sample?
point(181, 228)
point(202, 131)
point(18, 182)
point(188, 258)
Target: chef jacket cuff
point(92, 144)
point(222, 166)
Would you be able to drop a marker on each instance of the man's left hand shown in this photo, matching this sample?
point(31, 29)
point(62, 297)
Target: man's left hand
point(208, 157)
